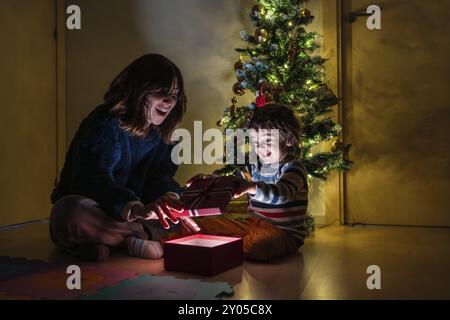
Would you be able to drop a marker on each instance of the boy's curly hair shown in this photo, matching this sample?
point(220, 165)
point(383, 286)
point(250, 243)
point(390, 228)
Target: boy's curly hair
point(281, 117)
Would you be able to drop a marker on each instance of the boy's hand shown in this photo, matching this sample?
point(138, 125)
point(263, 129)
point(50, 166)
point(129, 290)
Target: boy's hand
point(245, 186)
point(246, 174)
point(199, 177)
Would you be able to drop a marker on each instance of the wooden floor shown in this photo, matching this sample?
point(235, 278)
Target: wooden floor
point(414, 262)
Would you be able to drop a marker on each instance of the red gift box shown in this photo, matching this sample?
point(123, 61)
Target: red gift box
point(208, 197)
point(203, 254)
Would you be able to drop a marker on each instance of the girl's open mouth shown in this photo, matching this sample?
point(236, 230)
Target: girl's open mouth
point(161, 112)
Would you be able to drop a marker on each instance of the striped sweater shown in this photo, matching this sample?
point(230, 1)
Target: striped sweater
point(281, 196)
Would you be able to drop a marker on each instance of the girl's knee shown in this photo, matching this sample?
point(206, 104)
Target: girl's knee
point(64, 207)
point(73, 209)
point(69, 219)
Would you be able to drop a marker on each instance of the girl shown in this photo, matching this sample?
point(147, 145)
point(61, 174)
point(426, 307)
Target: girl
point(117, 186)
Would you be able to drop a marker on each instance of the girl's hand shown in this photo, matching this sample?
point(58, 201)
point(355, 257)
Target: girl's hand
point(160, 209)
point(245, 186)
point(189, 224)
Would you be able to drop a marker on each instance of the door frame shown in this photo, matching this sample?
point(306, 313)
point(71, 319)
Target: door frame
point(336, 38)
point(61, 84)
point(344, 44)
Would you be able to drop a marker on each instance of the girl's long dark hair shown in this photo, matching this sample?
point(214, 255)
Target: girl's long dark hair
point(128, 92)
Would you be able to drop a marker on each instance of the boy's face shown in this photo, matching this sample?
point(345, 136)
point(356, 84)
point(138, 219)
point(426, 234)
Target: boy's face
point(268, 146)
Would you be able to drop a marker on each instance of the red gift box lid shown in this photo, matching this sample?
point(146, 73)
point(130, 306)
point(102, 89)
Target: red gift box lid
point(206, 197)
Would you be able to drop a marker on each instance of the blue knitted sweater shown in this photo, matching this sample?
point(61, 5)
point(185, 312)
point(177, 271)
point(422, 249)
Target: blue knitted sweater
point(110, 166)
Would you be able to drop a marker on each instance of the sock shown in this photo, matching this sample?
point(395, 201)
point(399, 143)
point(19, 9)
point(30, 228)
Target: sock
point(144, 248)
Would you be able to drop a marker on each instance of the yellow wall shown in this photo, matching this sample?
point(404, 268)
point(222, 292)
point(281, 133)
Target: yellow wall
point(396, 115)
point(395, 89)
point(28, 149)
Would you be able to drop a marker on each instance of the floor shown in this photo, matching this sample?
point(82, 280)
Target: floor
point(414, 262)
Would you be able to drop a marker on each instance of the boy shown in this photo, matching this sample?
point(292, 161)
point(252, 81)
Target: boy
point(278, 190)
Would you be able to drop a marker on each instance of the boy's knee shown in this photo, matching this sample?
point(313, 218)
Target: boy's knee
point(265, 246)
point(261, 248)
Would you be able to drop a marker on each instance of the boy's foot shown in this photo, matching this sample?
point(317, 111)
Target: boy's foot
point(92, 252)
point(146, 249)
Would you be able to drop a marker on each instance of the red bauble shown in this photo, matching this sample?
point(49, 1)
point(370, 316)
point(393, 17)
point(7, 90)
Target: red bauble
point(261, 99)
point(260, 102)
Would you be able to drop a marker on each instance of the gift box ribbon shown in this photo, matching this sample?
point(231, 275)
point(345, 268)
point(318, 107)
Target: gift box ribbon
point(208, 190)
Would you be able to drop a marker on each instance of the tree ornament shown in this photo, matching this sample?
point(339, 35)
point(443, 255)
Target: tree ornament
point(264, 94)
point(233, 106)
point(266, 89)
point(238, 90)
point(238, 65)
point(278, 89)
point(293, 50)
point(337, 146)
point(219, 123)
point(305, 13)
point(260, 101)
point(232, 110)
point(261, 35)
point(257, 11)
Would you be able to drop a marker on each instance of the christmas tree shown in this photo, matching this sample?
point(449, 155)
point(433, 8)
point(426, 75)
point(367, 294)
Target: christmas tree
point(280, 65)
